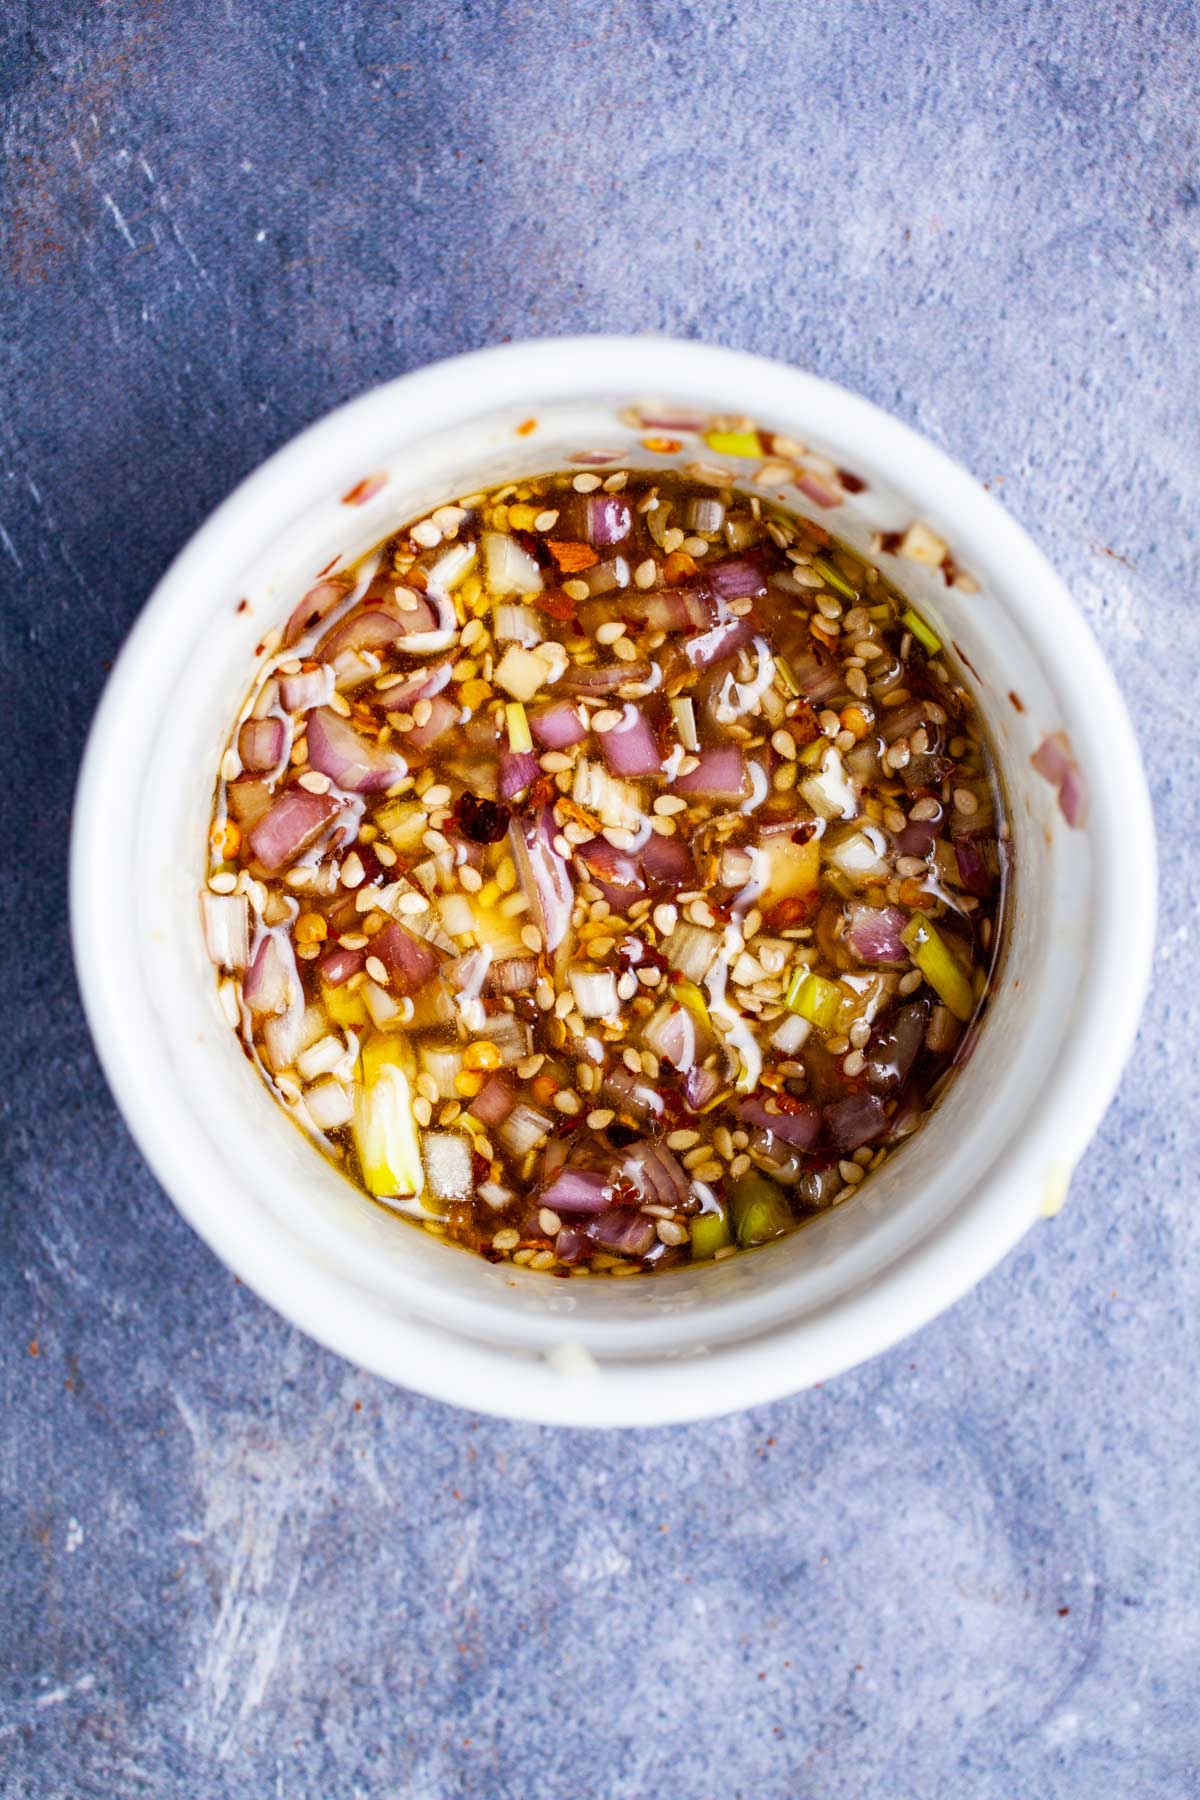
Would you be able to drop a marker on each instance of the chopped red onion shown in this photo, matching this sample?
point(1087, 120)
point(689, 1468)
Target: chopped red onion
point(873, 933)
point(443, 715)
point(544, 876)
point(973, 869)
point(311, 687)
point(630, 747)
point(513, 975)
point(571, 1245)
point(700, 1086)
point(336, 749)
point(289, 826)
point(894, 1049)
point(609, 519)
point(798, 1125)
point(623, 1231)
point(268, 987)
point(656, 1174)
point(817, 490)
point(375, 627)
point(1055, 759)
point(577, 1191)
point(719, 772)
point(917, 838)
point(722, 642)
point(337, 965)
point(493, 1103)
point(855, 1121)
point(667, 862)
point(517, 769)
point(316, 605)
point(737, 578)
point(558, 726)
point(260, 743)
point(634, 1093)
point(609, 863)
point(409, 961)
point(818, 681)
point(420, 685)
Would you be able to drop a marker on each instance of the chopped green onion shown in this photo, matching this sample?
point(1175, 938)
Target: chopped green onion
point(385, 1131)
point(814, 998)
point(519, 737)
point(734, 443)
point(710, 1233)
point(783, 670)
point(940, 967)
point(684, 714)
point(831, 578)
point(759, 1210)
point(921, 630)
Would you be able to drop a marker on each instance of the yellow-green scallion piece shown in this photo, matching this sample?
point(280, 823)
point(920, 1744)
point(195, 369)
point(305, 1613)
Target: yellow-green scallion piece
point(787, 680)
point(385, 1131)
point(710, 1233)
point(921, 631)
point(940, 967)
point(814, 998)
point(831, 578)
point(519, 736)
point(734, 443)
point(759, 1210)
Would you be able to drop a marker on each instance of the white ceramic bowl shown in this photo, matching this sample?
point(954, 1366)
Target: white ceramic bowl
point(995, 1154)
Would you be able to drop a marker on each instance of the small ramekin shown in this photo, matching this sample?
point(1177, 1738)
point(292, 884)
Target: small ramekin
point(997, 1151)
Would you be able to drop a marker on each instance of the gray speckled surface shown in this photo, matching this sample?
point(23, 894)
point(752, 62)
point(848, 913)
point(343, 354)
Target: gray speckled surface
point(233, 1566)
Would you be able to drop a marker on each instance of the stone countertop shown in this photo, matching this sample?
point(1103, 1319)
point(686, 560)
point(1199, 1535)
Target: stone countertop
point(236, 1567)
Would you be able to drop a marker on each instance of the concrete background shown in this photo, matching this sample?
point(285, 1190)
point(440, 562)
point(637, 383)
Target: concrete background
point(234, 1567)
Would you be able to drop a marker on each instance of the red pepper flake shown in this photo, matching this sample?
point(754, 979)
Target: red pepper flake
point(792, 911)
point(853, 484)
point(571, 556)
point(242, 606)
point(364, 490)
point(483, 821)
point(662, 446)
point(525, 427)
point(331, 564)
point(556, 603)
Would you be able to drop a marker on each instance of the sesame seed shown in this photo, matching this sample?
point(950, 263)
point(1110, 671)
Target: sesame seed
point(603, 1115)
point(506, 1239)
point(223, 883)
point(376, 971)
point(576, 590)
point(566, 1101)
point(784, 744)
point(666, 805)
point(610, 631)
point(664, 917)
point(438, 795)
point(352, 871)
point(965, 801)
point(854, 1063)
point(605, 719)
point(911, 982)
point(586, 484)
point(682, 1140)
point(910, 866)
point(531, 937)
point(850, 1172)
point(646, 573)
point(670, 1232)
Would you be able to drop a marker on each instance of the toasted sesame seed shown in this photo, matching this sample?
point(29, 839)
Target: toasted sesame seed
point(784, 744)
point(507, 1238)
point(850, 1172)
point(567, 1101)
point(412, 902)
point(605, 719)
point(376, 971)
point(965, 801)
point(602, 1116)
point(911, 982)
point(223, 883)
point(610, 631)
point(671, 1232)
point(910, 866)
point(664, 917)
point(586, 484)
point(666, 805)
point(352, 871)
point(576, 590)
point(531, 937)
point(854, 1063)
point(646, 573)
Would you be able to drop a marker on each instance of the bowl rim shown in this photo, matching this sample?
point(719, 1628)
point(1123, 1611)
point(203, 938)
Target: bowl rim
point(436, 1359)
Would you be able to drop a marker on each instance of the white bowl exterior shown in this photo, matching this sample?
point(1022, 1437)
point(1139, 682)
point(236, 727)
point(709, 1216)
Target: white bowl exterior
point(685, 1344)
